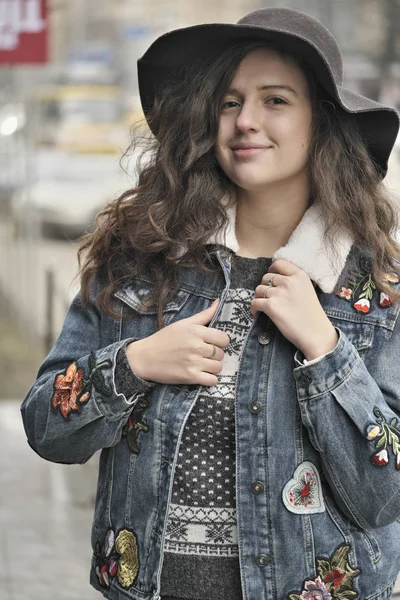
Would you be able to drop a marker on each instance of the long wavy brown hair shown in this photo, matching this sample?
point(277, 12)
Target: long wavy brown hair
point(165, 221)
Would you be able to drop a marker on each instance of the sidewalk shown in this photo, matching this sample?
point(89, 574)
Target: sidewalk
point(45, 519)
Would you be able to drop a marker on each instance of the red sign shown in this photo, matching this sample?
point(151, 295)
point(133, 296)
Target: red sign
point(23, 31)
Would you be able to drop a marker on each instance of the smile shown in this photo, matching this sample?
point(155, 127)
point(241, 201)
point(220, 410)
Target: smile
point(248, 152)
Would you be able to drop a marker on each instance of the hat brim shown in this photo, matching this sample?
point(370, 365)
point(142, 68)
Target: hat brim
point(378, 124)
point(201, 44)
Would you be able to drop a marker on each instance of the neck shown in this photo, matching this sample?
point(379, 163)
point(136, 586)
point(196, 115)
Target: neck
point(266, 220)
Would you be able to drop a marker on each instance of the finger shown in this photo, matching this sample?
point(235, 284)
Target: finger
point(261, 304)
point(273, 279)
point(204, 316)
point(264, 291)
point(258, 305)
point(283, 267)
point(209, 349)
point(207, 379)
point(217, 337)
point(261, 291)
point(211, 366)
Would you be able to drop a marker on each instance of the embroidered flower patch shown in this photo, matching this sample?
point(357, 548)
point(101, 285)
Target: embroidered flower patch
point(392, 277)
point(386, 436)
point(385, 300)
point(363, 305)
point(68, 393)
point(128, 564)
point(315, 590)
point(71, 390)
point(335, 580)
point(118, 556)
point(361, 289)
point(345, 293)
point(135, 424)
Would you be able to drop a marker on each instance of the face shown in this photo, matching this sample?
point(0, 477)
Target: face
point(265, 123)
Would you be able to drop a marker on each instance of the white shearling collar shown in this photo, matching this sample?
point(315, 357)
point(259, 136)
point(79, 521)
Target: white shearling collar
point(306, 247)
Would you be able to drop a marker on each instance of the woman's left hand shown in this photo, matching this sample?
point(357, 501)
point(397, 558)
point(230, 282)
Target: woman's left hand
point(292, 304)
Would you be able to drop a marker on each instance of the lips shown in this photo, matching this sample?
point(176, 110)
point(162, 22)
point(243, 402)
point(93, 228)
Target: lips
point(248, 150)
point(248, 146)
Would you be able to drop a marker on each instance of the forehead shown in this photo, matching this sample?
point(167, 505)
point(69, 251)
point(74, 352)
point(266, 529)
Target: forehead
point(268, 66)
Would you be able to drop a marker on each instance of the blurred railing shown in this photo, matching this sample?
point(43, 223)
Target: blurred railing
point(35, 282)
point(54, 299)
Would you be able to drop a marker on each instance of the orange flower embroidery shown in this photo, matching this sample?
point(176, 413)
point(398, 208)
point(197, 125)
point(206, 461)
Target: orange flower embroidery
point(67, 388)
point(71, 390)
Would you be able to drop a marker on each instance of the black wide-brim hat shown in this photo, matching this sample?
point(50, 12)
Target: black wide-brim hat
point(292, 31)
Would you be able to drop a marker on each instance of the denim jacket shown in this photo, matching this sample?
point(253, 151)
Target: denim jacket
point(320, 439)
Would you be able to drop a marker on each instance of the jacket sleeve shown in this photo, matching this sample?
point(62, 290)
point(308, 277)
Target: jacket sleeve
point(351, 410)
point(83, 394)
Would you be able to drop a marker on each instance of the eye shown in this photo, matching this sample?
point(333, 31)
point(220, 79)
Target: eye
point(276, 100)
point(229, 104)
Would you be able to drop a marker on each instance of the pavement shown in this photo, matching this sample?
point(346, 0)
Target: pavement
point(45, 518)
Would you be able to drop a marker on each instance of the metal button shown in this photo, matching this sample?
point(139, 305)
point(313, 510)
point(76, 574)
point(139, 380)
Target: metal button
point(257, 487)
point(264, 339)
point(262, 560)
point(305, 380)
point(255, 407)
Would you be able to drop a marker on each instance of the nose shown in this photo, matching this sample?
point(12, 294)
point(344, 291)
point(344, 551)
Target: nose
point(248, 118)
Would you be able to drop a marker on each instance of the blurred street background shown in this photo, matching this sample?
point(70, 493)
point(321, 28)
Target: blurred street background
point(68, 97)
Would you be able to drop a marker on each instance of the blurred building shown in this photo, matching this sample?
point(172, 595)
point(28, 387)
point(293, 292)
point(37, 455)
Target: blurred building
point(105, 39)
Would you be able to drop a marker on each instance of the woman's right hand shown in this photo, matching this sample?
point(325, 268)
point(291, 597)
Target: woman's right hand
point(180, 353)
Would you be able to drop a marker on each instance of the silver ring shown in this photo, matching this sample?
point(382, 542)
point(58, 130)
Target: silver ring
point(270, 282)
point(214, 352)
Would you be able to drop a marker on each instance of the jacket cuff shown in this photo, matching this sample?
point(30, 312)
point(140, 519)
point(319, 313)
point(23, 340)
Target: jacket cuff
point(124, 386)
point(127, 384)
point(317, 378)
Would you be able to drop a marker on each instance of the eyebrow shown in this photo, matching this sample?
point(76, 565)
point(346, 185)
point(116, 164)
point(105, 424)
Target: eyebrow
point(262, 88)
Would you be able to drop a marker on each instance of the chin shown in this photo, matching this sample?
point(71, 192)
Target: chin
point(256, 185)
point(256, 181)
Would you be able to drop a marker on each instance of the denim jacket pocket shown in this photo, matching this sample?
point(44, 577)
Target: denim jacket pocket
point(360, 334)
point(143, 320)
point(350, 531)
point(386, 594)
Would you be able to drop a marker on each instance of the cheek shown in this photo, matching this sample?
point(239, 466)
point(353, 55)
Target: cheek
point(225, 131)
point(305, 128)
point(218, 151)
point(222, 135)
point(221, 143)
point(301, 134)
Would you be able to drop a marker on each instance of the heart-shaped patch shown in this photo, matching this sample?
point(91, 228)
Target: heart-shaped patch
point(303, 493)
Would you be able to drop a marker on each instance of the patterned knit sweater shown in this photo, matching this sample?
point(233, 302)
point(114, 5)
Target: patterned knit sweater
point(201, 551)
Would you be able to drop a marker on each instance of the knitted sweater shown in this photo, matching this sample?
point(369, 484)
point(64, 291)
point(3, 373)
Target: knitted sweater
point(200, 550)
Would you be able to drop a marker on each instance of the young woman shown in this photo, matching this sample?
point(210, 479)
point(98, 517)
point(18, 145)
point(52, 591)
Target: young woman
point(234, 350)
